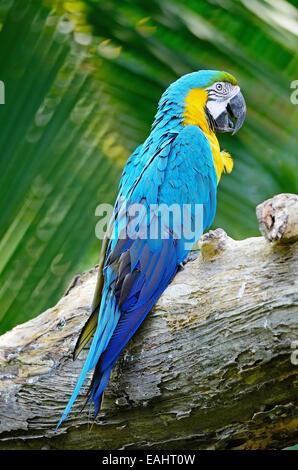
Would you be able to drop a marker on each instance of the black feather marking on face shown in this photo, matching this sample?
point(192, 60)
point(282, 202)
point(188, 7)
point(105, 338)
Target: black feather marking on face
point(210, 119)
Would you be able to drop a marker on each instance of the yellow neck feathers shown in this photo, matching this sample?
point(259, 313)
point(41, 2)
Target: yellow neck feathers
point(194, 114)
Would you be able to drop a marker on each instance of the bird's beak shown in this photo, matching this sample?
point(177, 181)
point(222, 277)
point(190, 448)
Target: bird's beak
point(235, 109)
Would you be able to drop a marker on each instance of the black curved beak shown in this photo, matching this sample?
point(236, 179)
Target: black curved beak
point(236, 109)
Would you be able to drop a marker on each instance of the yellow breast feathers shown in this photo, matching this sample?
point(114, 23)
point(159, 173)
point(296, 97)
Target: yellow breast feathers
point(194, 113)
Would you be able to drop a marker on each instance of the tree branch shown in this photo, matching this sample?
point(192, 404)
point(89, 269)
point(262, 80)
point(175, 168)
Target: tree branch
point(212, 366)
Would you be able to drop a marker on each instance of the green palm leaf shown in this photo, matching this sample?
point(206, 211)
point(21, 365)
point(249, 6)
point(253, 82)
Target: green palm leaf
point(82, 80)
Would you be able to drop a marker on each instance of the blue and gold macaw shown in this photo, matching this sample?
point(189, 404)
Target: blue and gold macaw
point(180, 163)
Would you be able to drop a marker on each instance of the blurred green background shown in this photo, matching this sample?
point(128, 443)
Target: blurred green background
point(82, 81)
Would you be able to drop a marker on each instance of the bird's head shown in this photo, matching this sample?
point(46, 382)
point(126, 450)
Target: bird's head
point(209, 97)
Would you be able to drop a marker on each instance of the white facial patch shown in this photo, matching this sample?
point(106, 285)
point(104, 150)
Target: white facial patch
point(215, 108)
point(220, 94)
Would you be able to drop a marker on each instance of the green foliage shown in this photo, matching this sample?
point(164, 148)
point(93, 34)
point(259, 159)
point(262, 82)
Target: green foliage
point(82, 81)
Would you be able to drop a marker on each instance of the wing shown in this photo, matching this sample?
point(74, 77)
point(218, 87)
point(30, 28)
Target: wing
point(130, 173)
point(138, 268)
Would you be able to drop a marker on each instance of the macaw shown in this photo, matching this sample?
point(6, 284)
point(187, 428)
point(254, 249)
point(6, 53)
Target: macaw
point(179, 163)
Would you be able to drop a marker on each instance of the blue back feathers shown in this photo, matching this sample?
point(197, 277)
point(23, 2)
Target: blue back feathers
point(173, 166)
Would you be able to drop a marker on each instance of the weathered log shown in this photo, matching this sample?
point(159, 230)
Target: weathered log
point(278, 218)
point(214, 365)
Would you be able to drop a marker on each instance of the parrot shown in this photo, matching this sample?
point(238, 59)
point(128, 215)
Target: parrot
point(180, 164)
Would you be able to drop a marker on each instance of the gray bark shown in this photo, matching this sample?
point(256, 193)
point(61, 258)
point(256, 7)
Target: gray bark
point(214, 365)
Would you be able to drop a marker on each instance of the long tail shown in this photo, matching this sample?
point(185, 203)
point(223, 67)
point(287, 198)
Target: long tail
point(97, 346)
point(96, 389)
point(81, 379)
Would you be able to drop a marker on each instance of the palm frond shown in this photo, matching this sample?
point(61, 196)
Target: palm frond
point(82, 81)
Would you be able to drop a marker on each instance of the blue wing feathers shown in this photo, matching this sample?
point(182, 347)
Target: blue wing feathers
point(169, 168)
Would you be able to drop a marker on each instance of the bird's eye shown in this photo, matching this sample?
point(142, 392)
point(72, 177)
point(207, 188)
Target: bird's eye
point(219, 87)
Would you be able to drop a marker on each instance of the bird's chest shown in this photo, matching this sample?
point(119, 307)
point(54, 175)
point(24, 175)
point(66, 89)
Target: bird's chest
point(217, 156)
